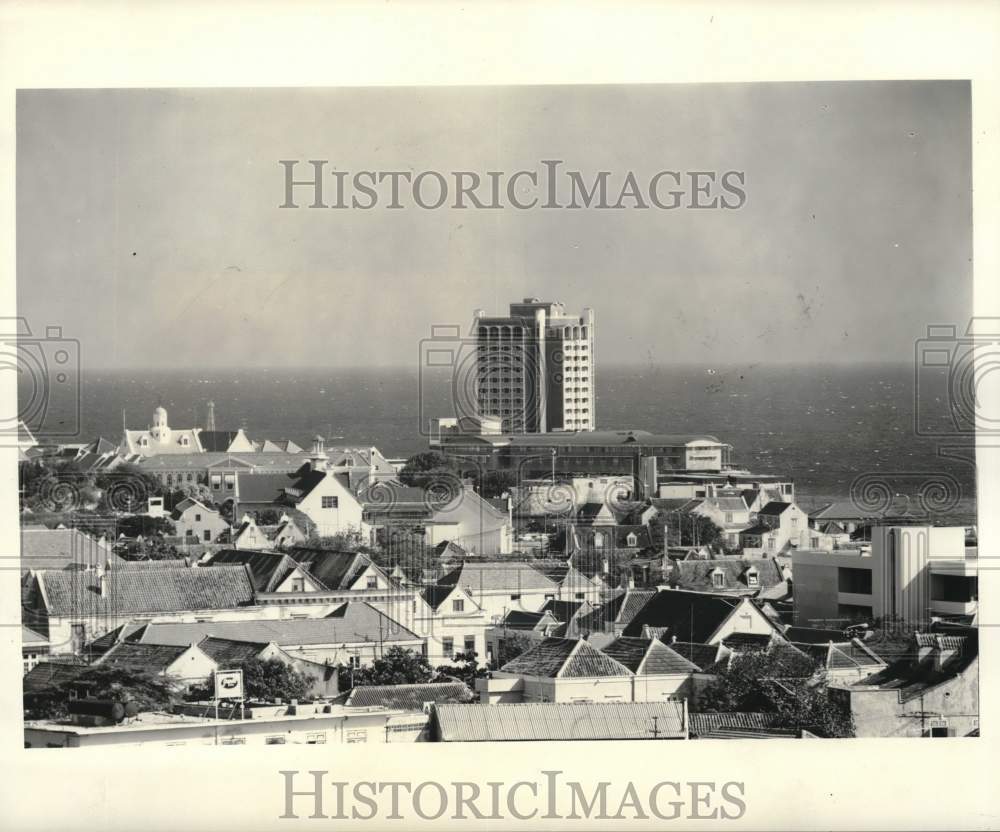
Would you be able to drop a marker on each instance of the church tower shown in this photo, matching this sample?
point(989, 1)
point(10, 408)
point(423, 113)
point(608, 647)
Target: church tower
point(160, 430)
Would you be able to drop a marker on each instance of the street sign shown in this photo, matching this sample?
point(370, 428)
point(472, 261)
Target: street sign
point(228, 684)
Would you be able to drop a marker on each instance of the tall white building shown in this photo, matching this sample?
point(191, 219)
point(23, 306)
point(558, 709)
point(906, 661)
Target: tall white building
point(535, 368)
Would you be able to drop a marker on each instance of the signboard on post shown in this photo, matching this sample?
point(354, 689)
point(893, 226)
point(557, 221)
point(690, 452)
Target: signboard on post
point(228, 684)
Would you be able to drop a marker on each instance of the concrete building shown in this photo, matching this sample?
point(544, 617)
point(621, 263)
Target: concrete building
point(535, 368)
point(909, 573)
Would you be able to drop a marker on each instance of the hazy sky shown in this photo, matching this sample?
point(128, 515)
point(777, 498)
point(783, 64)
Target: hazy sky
point(149, 227)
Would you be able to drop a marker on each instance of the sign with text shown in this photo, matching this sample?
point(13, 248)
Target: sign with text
point(229, 684)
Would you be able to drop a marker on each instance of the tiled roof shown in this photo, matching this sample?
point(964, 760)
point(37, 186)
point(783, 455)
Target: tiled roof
point(757, 530)
point(494, 576)
point(151, 658)
point(773, 509)
point(699, 574)
point(408, 697)
point(619, 610)
point(704, 723)
point(524, 620)
point(701, 655)
point(564, 610)
point(279, 489)
point(690, 616)
point(269, 569)
point(227, 652)
point(559, 721)
point(647, 657)
point(134, 591)
point(351, 623)
point(812, 635)
point(335, 570)
point(43, 548)
point(565, 658)
point(152, 563)
point(51, 674)
point(244, 461)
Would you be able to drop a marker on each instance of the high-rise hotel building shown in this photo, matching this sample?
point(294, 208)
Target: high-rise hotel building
point(535, 368)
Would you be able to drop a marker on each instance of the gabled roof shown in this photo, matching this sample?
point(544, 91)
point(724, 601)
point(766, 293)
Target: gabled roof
point(498, 576)
point(773, 509)
point(843, 655)
point(564, 611)
point(31, 637)
point(335, 570)
point(218, 441)
point(408, 697)
point(149, 658)
point(189, 503)
point(565, 658)
point(351, 623)
point(703, 656)
point(531, 621)
point(688, 616)
point(279, 489)
point(647, 657)
point(51, 674)
point(436, 594)
point(269, 569)
point(230, 653)
point(619, 610)
point(135, 591)
point(699, 574)
point(43, 548)
point(756, 530)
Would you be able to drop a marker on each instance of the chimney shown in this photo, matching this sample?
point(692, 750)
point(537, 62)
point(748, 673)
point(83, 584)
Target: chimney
point(102, 581)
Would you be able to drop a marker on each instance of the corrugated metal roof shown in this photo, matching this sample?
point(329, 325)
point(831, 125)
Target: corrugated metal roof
point(534, 721)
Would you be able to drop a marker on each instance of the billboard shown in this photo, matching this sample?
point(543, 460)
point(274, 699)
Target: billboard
point(228, 684)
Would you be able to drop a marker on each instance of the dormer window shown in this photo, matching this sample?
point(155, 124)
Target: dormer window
point(752, 578)
point(631, 540)
point(598, 541)
point(185, 441)
point(718, 579)
point(144, 442)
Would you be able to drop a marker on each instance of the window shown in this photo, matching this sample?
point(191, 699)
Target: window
point(355, 661)
point(580, 596)
point(230, 481)
point(234, 741)
point(216, 482)
point(855, 581)
point(470, 644)
point(371, 582)
point(729, 517)
point(357, 736)
point(718, 579)
point(329, 502)
point(319, 738)
point(197, 518)
point(515, 597)
point(770, 543)
point(274, 740)
point(448, 647)
point(752, 579)
point(189, 533)
point(458, 606)
point(631, 540)
point(208, 535)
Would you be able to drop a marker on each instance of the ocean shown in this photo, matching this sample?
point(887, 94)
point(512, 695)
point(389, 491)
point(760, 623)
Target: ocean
point(824, 425)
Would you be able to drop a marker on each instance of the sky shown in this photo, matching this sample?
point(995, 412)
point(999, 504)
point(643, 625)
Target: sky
point(149, 225)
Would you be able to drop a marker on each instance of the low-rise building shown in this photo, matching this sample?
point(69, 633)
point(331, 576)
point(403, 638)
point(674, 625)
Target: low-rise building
point(934, 692)
point(194, 521)
point(778, 528)
point(572, 670)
